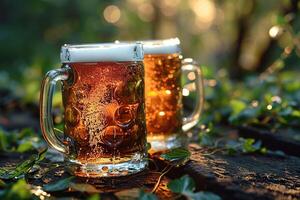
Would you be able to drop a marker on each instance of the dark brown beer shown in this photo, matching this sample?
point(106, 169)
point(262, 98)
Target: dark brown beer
point(163, 95)
point(104, 111)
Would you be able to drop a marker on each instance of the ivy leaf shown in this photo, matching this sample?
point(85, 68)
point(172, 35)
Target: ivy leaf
point(59, 185)
point(248, 145)
point(148, 146)
point(177, 156)
point(26, 146)
point(280, 20)
point(23, 167)
point(147, 196)
point(206, 139)
point(186, 187)
point(18, 190)
point(26, 132)
point(204, 196)
point(185, 184)
point(94, 197)
point(3, 141)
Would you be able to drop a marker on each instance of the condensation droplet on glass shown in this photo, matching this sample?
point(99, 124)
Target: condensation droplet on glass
point(112, 136)
point(123, 116)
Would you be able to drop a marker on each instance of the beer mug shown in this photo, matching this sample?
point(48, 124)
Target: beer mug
point(103, 99)
point(164, 68)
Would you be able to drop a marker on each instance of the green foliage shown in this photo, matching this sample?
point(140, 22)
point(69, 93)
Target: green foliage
point(186, 187)
point(22, 168)
point(23, 141)
point(148, 146)
point(207, 135)
point(146, 196)
point(272, 102)
point(94, 197)
point(59, 185)
point(19, 190)
point(210, 137)
point(245, 146)
point(177, 155)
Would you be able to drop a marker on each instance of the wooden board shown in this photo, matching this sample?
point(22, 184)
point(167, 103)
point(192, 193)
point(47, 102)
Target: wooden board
point(244, 176)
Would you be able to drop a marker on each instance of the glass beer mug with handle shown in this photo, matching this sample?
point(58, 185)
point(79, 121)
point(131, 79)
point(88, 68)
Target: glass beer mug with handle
point(164, 68)
point(103, 98)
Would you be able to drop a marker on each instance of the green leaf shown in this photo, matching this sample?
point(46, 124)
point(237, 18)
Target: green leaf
point(206, 139)
point(18, 190)
point(280, 20)
point(185, 184)
point(59, 185)
point(237, 106)
point(41, 155)
point(3, 141)
point(148, 146)
point(23, 167)
point(147, 196)
point(26, 146)
point(248, 145)
point(204, 196)
point(26, 132)
point(178, 155)
point(94, 197)
point(20, 169)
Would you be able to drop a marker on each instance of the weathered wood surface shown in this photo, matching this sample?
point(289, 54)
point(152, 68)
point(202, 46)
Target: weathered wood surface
point(232, 177)
point(281, 140)
point(244, 176)
point(126, 187)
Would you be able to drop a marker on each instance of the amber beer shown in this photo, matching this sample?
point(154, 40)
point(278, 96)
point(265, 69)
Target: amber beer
point(163, 70)
point(105, 128)
point(163, 95)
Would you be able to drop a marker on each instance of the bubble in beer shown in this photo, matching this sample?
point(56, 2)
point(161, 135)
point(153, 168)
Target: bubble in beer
point(125, 92)
point(123, 116)
point(112, 136)
point(110, 110)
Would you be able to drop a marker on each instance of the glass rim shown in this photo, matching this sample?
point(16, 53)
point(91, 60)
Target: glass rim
point(101, 52)
point(162, 46)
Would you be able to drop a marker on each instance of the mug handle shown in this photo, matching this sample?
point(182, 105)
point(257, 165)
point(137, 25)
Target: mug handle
point(188, 64)
point(46, 96)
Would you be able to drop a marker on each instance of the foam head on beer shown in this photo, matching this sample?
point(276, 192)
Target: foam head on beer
point(167, 46)
point(101, 52)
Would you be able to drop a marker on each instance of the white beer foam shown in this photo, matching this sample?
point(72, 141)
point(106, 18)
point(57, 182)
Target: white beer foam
point(167, 46)
point(102, 52)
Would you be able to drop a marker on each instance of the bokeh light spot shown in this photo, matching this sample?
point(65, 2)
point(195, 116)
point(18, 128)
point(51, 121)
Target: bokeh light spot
point(274, 31)
point(112, 14)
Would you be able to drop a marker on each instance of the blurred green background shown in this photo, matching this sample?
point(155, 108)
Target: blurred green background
point(241, 44)
point(223, 34)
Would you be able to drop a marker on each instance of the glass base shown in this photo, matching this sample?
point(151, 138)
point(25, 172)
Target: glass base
point(107, 170)
point(162, 142)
